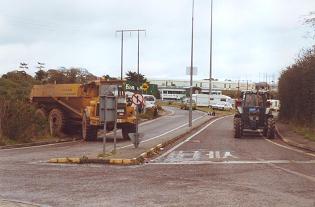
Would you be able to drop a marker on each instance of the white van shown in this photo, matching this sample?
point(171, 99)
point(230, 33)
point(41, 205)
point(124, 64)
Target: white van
point(201, 99)
point(221, 102)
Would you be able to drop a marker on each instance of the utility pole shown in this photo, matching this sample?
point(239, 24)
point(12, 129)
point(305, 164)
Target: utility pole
point(23, 65)
point(122, 47)
point(40, 65)
point(210, 74)
point(191, 64)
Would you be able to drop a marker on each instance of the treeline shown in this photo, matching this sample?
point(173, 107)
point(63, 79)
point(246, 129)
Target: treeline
point(297, 90)
point(18, 122)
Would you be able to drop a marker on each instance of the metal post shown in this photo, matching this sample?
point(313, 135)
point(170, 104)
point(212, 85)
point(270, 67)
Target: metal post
point(115, 125)
point(122, 55)
point(191, 64)
point(138, 56)
point(105, 126)
point(210, 74)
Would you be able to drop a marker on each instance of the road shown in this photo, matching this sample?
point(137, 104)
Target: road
point(209, 168)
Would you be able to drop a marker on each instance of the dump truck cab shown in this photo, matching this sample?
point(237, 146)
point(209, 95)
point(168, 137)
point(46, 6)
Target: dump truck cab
point(68, 106)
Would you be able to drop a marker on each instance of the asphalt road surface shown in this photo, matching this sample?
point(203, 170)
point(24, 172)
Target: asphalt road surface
point(209, 168)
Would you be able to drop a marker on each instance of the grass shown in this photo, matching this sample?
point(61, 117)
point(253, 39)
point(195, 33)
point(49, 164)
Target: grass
point(307, 132)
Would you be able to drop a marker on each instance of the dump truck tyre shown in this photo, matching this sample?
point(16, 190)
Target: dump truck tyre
point(56, 122)
point(130, 128)
point(237, 128)
point(41, 113)
point(89, 133)
point(271, 128)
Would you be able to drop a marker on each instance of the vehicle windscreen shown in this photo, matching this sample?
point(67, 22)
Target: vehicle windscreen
point(148, 98)
point(252, 100)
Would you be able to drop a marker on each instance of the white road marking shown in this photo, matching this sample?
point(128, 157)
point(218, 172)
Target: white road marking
point(294, 172)
point(228, 154)
point(189, 138)
point(217, 154)
point(210, 154)
point(236, 162)
point(196, 155)
point(290, 148)
point(147, 140)
point(38, 146)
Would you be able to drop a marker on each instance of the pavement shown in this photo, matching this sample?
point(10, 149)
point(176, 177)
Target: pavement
point(207, 167)
point(294, 139)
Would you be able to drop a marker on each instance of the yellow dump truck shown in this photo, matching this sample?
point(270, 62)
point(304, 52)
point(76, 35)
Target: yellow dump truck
point(73, 105)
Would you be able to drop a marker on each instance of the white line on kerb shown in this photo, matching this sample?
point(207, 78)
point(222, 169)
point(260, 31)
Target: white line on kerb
point(189, 138)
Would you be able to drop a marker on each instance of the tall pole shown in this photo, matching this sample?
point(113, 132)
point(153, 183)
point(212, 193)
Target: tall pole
point(138, 56)
point(191, 64)
point(210, 74)
point(122, 55)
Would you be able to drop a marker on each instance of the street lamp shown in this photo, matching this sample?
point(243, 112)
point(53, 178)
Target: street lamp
point(210, 73)
point(191, 64)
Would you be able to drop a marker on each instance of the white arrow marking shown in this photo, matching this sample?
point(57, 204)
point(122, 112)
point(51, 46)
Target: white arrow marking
point(196, 155)
point(228, 154)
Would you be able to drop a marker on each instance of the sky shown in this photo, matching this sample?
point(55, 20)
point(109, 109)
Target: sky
point(251, 38)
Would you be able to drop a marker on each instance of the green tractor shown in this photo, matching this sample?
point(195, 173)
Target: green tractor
point(253, 112)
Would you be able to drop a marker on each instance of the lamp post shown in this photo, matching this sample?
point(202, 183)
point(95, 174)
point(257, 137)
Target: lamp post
point(191, 64)
point(210, 65)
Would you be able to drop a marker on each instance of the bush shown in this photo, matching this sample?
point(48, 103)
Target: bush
point(297, 91)
point(18, 122)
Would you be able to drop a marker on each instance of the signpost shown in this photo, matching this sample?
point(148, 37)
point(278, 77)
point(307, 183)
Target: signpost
point(137, 99)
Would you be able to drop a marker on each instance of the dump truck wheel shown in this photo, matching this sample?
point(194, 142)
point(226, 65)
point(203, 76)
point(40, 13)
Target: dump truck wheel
point(237, 128)
point(41, 113)
point(130, 128)
point(56, 122)
point(89, 133)
point(271, 128)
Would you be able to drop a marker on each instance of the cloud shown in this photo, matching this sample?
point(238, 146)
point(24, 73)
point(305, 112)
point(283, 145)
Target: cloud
point(250, 36)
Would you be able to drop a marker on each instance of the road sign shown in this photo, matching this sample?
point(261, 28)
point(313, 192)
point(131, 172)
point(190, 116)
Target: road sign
point(194, 71)
point(145, 86)
point(137, 99)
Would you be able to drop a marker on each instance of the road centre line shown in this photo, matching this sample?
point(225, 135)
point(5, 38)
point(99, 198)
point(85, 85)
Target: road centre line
point(189, 138)
point(130, 145)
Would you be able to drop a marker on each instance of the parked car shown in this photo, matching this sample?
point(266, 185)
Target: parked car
point(184, 104)
point(149, 101)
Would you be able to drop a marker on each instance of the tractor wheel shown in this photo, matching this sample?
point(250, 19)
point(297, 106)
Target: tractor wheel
point(130, 128)
point(271, 128)
point(56, 122)
point(237, 128)
point(41, 114)
point(89, 132)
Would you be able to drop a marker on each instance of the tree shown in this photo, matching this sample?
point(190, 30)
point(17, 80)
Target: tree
point(135, 80)
point(310, 20)
point(41, 75)
point(108, 77)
